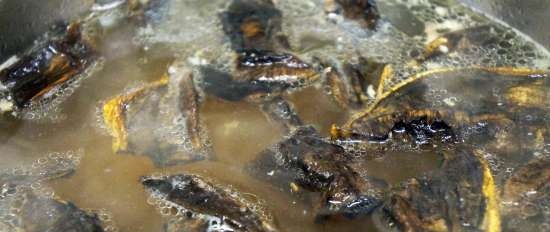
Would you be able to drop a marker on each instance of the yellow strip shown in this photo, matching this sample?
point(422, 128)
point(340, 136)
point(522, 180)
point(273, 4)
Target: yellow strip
point(511, 71)
point(386, 73)
point(114, 114)
point(433, 46)
point(334, 132)
point(491, 221)
point(385, 95)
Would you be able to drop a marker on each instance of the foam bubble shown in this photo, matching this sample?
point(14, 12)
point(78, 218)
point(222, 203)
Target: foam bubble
point(48, 108)
point(200, 37)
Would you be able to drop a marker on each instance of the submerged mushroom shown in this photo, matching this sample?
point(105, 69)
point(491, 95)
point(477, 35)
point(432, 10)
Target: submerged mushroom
point(167, 110)
point(202, 205)
point(306, 161)
point(437, 103)
point(461, 196)
point(46, 68)
point(33, 207)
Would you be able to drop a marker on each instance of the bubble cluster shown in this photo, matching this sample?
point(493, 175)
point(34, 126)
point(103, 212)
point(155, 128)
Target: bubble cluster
point(531, 212)
point(312, 35)
point(496, 164)
point(16, 181)
point(356, 149)
point(503, 47)
point(54, 165)
point(17, 184)
point(48, 108)
point(201, 36)
point(25, 186)
point(439, 16)
point(106, 218)
point(441, 98)
point(100, 125)
point(169, 209)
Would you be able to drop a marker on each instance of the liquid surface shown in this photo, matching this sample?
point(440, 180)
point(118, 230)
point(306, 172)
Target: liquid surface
point(134, 55)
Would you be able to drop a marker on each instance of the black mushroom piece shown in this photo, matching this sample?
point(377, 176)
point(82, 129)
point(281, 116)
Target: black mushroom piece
point(265, 66)
point(262, 77)
point(275, 71)
point(253, 28)
point(460, 196)
point(282, 112)
point(306, 161)
point(365, 12)
point(207, 206)
point(263, 69)
point(45, 67)
point(253, 24)
point(47, 214)
point(420, 127)
point(257, 74)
